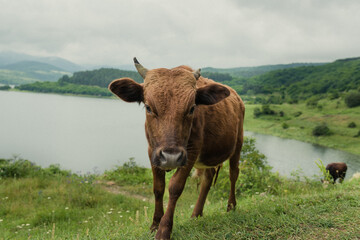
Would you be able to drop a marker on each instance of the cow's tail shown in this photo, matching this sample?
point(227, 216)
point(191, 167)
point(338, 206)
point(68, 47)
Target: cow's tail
point(217, 173)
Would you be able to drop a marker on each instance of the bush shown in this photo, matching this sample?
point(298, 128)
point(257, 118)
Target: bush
point(358, 134)
point(353, 99)
point(255, 174)
point(6, 87)
point(297, 114)
point(321, 130)
point(267, 110)
point(352, 125)
point(285, 126)
point(257, 112)
point(18, 168)
point(129, 174)
point(334, 95)
point(312, 103)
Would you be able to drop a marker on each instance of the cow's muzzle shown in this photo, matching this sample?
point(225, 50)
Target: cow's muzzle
point(169, 158)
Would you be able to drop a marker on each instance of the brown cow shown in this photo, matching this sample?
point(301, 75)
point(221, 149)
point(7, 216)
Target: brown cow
point(191, 121)
point(337, 170)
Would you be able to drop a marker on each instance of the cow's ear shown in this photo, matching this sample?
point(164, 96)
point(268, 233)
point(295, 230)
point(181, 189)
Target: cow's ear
point(127, 89)
point(211, 94)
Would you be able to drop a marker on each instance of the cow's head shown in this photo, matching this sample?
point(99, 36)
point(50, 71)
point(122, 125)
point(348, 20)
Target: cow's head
point(170, 97)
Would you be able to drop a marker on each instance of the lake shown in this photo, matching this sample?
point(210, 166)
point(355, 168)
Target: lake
point(90, 135)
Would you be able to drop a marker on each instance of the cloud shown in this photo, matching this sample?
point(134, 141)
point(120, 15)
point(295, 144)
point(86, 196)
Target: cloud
point(169, 33)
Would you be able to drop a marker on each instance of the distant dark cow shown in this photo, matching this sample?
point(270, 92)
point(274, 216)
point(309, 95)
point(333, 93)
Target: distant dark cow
point(191, 121)
point(337, 170)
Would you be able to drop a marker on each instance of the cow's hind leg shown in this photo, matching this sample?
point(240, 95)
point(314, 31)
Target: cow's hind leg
point(206, 181)
point(234, 173)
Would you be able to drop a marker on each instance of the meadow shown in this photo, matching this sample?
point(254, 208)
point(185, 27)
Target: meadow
point(50, 203)
point(297, 121)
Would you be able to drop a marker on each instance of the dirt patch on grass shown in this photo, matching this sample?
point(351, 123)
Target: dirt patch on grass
point(112, 187)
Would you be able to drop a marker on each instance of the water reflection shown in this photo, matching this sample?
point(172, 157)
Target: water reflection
point(84, 134)
point(287, 155)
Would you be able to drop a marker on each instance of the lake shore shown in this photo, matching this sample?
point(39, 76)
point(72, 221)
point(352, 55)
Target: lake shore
point(332, 113)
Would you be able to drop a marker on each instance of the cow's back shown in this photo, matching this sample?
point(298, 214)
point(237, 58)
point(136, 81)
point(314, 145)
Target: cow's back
point(222, 127)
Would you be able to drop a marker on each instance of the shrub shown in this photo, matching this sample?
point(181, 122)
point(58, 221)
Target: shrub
point(129, 173)
point(17, 167)
point(312, 103)
point(6, 87)
point(257, 112)
point(285, 126)
point(321, 130)
point(353, 99)
point(352, 125)
point(255, 174)
point(358, 134)
point(293, 101)
point(297, 114)
point(324, 173)
point(267, 110)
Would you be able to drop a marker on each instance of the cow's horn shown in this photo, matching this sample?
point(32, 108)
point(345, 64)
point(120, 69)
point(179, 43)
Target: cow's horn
point(197, 74)
point(141, 70)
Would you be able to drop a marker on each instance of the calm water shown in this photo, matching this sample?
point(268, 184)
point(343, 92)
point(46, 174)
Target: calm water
point(92, 135)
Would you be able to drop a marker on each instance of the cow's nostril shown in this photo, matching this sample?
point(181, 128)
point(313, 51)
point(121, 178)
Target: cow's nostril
point(172, 157)
point(180, 156)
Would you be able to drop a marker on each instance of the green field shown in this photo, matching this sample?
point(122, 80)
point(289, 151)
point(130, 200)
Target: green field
point(49, 203)
point(333, 113)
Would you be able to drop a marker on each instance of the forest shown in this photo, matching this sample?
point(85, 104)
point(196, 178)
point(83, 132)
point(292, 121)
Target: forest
point(291, 83)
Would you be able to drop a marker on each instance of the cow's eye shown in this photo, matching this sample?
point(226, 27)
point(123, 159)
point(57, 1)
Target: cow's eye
point(148, 108)
point(192, 109)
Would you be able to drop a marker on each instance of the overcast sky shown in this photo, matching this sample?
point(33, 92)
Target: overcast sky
point(168, 33)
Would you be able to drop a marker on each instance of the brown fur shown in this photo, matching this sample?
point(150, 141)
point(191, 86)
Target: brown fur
point(337, 170)
point(203, 139)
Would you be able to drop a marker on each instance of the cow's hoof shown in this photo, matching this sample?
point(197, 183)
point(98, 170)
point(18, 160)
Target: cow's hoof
point(163, 235)
point(230, 207)
point(154, 227)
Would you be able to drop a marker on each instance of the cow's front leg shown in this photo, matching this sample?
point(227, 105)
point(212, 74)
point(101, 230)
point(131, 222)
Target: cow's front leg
point(176, 187)
point(158, 188)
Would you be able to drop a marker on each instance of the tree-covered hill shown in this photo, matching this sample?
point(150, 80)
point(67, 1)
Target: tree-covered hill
point(247, 72)
point(302, 82)
point(100, 77)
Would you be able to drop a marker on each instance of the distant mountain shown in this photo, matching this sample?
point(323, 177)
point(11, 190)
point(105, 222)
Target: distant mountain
point(29, 66)
point(7, 58)
point(247, 72)
point(30, 71)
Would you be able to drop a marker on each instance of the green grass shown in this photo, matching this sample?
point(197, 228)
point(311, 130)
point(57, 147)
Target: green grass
point(60, 207)
point(50, 203)
point(332, 112)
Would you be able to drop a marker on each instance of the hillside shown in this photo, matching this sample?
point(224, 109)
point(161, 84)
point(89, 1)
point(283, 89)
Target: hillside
point(100, 77)
point(29, 66)
point(303, 82)
point(9, 57)
point(29, 71)
point(247, 72)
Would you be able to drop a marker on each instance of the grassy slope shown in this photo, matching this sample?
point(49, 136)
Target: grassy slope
point(71, 208)
point(336, 115)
